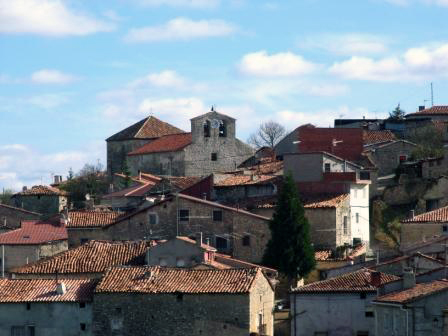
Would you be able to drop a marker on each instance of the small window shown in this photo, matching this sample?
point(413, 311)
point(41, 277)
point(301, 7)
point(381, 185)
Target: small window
point(357, 217)
point(246, 240)
point(180, 262)
point(221, 243)
point(327, 167)
point(184, 215)
point(83, 241)
point(445, 228)
point(364, 175)
point(222, 129)
point(214, 157)
point(217, 215)
point(31, 331)
point(179, 297)
point(362, 296)
point(117, 310)
point(207, 129)
point(402, 158)
point(82, 326)
point(369, 314)
point(28, 306)
point(345, 225)
point(153, 218)
point(82, 305)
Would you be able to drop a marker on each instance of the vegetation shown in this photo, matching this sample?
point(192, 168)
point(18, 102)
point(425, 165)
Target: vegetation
point(429, 141)
point(5, 196)
point(267, 135)
point(397, 113)
point(290, 250)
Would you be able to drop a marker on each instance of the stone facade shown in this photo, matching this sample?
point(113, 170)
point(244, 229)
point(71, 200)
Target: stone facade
point(11, 217)
point(44, 204)
point(412, 233)
point(117, 153)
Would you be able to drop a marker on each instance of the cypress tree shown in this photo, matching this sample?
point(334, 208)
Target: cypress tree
point(290, 250)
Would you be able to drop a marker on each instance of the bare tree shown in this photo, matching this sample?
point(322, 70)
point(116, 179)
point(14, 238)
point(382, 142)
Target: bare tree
point(268, 134)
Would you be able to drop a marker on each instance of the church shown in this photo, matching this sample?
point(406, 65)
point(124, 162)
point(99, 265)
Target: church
point(153, 146)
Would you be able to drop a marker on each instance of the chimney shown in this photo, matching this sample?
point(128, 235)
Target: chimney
point(61, 289)
point(421, 107)
point(408, 278)
point(199, 239)
point(375, 279)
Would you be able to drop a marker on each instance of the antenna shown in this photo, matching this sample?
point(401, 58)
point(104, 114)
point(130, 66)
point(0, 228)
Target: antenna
point(432, 95)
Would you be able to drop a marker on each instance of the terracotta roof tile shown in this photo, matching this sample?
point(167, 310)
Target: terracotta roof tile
point(38, 290)
point(439, 215)
point(415, 293)
point(325, 201)
point(40, 190)
point(437, 109)
point(184, 182)
point(175, 280)
point(267, 166)
point(81, 219)
point(191, 241)
point(372, 137)
point(245, 180)
point(328, 255)
point(34, 233)
point(167, 143)
point(147, 128)
point(93, 257)
point(358, 281)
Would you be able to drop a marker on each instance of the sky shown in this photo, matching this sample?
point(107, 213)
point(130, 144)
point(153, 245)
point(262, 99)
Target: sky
point(72, 73)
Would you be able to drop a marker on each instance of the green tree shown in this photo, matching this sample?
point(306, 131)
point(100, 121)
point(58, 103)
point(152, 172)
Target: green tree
point(429, 142)
point(127, 173)
point(397, 113)
point(5, 196)
point(290, 250)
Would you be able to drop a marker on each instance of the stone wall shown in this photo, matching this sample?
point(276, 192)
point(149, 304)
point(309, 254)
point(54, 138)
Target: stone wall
point(387, 158)
point(134, 314)
point(77, 236)
point(412, 233)
point(49, 319)
point(44, 204)
point(117, 153)
point(12, 217)
point(166, 163)
point(262, 304)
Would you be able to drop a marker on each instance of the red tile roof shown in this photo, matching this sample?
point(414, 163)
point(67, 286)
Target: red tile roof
point(167, 143)
point(237, 180)
point(191, 241)
point(438, 215)
point(358, 281)
point(139, 190)
point(88, 218)
point(93, 257)
point(40, 190)
point(158, 280)
point(373, 137)
point(34, 233)
point(184, 182)
point(328, 255)
point(325, 201)
point(437, 109)
point(415, 293)
point(229, 262)
point(147, 128)
point(38, 290)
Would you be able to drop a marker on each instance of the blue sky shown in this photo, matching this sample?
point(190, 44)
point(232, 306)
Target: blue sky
point(74, 72)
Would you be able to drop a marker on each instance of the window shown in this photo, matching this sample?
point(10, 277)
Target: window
point(184, 215)
point(179, 297)
point(153, 218)
point(445, 228)
point(432, 204)
point(402, 158)
point(207, 128)
point(214, 157)
point(180, 262)
point(345, 225)
point(362, 296)
point(83, 241)
point(364, 175)
point(327, 167)
point(246, 240)
point(28, 306)
point(31, 331)
point(369, 314)
point(82, 305)
point(222, 129)
point(357, 217)
point(221, 243)
point(217, 215)
point(82, 326)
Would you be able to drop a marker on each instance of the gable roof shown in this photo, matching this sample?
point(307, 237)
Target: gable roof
point(238, 180)
point(34, 233)
point(92, 257)
point(212, 114)
point(415, 293)
point(41, 190)
point(39, 290)
point(370, 137)
point(147, 128)
point(157, 280)
point(358, 281)
point(91, 218)
point(434, 110)
point(439, 215)
point(167, 143)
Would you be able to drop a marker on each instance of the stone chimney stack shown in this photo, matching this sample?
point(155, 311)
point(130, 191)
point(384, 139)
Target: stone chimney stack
point(199, 239)
point(408, 279)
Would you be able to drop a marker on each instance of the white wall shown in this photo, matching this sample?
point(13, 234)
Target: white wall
point(359, 212)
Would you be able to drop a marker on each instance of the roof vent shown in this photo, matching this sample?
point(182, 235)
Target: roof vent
point(61, 289)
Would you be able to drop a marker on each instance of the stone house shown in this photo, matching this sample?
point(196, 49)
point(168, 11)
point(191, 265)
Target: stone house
point(33, 241)
point(90, 260)
point(46, 200)
point(210, 147)
point(133, 137)
point(418, 309)
point(46, 307)
point(11, 217)
point(320, 173)
point(237, 232)
point(340, 305)
point(423, 227)
point(167, 301)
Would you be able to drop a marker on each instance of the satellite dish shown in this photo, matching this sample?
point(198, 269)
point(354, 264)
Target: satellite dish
point(215, 123)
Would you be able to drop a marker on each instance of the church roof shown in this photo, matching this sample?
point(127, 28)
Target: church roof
point(147, 128)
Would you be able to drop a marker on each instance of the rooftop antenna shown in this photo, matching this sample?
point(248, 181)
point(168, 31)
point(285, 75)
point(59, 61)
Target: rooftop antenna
point(432, 95)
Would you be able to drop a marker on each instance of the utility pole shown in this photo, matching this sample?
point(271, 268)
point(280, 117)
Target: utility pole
point(432, 95)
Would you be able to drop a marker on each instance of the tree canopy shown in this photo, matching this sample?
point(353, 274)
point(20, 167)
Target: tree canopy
point(290, 250)
point(397, 113)
point(268, 135)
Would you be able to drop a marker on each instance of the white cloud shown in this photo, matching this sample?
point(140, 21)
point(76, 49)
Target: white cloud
point(46, 17)
point(346, 44)
point(182, 3)
point(22, 165)
point(49, 100)
point(181, 29)
point(166, 78)
point(283, 64)
point(51, 76)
